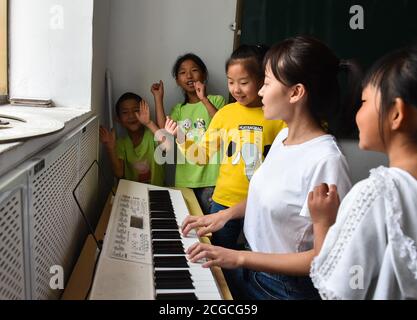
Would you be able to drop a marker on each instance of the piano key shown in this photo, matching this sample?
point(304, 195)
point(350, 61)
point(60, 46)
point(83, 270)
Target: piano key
point(174, 284)
point(175, 274)
point(166, 235)
point(176, 296)
point(170, 262)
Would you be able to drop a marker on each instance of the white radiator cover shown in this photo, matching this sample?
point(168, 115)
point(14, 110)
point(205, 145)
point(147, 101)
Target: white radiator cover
point(40, 218)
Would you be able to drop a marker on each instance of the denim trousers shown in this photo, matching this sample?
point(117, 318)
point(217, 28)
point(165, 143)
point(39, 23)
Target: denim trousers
point(246, 284)
point(203, 196)
point(227, 236)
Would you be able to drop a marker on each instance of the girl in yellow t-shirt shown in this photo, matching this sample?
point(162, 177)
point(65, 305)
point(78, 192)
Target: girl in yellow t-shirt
point(239, 132)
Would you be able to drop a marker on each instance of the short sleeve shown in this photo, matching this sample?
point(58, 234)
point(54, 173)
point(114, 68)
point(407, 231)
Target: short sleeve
point(355, 246)
point(175, 113)
point(330, 170)
point(217, 101)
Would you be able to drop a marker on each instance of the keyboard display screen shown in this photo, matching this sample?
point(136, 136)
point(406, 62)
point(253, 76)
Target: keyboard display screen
point(136, 222)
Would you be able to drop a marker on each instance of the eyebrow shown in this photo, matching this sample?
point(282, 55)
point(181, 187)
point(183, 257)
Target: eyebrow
point(244, 78)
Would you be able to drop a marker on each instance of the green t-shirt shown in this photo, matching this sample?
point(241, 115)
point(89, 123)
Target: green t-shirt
point(139, 163)
point(193, 119)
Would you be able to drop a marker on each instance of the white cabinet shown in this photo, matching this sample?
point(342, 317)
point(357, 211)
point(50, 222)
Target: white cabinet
point(41, 225)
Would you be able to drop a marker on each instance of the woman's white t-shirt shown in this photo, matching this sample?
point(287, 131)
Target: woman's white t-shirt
point(370, 252)
point(277, 219)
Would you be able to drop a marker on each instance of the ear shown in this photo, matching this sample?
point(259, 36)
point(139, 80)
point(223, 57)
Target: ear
point(298, 92)
point(397, 114)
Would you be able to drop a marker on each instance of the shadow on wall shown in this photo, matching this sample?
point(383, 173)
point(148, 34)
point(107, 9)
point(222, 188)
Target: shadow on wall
point(360, 162)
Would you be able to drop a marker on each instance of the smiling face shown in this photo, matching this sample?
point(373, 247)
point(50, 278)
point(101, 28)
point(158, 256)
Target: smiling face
point(367, 120)
point(189, 73)
point(275, 97)
point(242, 86)
point(127, 116)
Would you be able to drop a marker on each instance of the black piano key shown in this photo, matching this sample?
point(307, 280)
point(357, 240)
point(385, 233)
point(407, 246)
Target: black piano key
point(172, 274)
point(167, 244)
point(176, 296)
point(174, 284)
point(164, 225)
point(158, 208)
point(158, 193)
point(170, 262)
point(168, 250)
point(164, 220)
point(172, 235)
point(162, 215)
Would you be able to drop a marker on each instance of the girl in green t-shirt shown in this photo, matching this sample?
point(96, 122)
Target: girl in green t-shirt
point(132, 157)
point(193, 116)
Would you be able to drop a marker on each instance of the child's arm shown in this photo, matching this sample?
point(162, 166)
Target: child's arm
point(200, 89)
point(201, 151)
point(213, 222)
point(295, 264)
point(157, 90)
point(323, 203)
point(108, 139)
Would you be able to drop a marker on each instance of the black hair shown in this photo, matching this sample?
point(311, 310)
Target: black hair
point(395, 76)
point(196, 59)
point(308, 61)
point(251, 56)
point(124, 97)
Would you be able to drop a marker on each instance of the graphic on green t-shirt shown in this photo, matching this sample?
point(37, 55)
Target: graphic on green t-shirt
point(194, 119)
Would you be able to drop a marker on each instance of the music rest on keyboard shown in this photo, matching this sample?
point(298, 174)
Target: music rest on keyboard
point(143, 255)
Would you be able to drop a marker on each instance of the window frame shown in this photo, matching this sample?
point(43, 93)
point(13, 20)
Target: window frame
point(3, 51)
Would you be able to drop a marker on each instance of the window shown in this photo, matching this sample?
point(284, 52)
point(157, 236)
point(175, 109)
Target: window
point(3, 51)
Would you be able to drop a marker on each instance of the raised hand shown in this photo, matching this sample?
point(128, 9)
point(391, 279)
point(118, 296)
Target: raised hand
point(157, 89)
point(323, 203)
point(200, 89)
point(205, 224)
point(216, 256)
point(171, 126)
point(107, 138)
point(144, 115)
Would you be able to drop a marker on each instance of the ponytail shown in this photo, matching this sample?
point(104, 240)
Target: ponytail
point(344, 125)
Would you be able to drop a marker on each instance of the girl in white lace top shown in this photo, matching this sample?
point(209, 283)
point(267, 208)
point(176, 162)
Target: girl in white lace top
point(370, 251)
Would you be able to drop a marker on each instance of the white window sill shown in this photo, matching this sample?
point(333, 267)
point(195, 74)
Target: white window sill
point(12, 153)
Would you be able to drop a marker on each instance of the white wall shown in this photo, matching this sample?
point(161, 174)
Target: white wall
point(147, 36)
point(361, 162)
point(51, 50)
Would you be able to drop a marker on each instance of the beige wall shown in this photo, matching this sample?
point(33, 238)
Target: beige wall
point(3, 47)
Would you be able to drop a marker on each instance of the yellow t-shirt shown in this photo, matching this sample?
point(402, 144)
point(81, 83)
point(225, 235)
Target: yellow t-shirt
point(243, 137)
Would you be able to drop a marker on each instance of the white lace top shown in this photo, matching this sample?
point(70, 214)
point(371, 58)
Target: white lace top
point(370, 252)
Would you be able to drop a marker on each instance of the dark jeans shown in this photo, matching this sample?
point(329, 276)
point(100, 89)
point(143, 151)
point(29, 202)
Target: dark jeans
point(228, 235)
point(203, 196)
point(252, 285)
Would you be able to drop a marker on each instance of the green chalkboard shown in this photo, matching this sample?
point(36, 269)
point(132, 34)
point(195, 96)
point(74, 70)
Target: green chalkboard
point(388, 24)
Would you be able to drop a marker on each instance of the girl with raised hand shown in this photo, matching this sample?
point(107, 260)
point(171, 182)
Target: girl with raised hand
point(193, 116)
point(241, 134)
